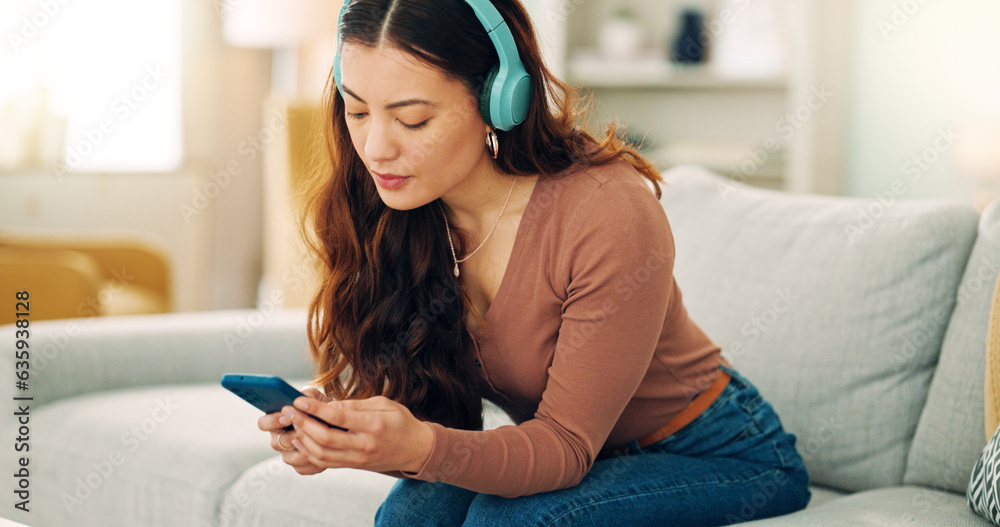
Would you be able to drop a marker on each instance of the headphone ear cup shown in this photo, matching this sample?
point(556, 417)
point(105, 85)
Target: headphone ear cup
point(486, 93)
point(517, 97)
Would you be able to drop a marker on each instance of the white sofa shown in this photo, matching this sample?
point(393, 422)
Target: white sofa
point(862, 321)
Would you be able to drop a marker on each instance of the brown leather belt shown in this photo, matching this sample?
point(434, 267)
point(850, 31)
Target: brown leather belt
point(685, 416)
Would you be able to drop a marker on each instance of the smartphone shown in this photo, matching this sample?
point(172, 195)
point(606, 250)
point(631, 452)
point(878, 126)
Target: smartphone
point(267, 392)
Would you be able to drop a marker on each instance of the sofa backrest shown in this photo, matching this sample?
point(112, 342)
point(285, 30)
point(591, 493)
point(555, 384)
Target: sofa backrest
point(73, 357)
point(835, 307)
point(950, 436)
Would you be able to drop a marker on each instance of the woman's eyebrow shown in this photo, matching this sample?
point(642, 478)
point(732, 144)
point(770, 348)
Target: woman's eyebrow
point(398, 104)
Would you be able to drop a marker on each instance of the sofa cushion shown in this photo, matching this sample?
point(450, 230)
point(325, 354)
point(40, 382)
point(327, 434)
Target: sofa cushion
point(162, 455)
point(888, 507)
point(835, 307)
point(984, 485)
point(821, 495)
point(951, 433)
point(272, 493)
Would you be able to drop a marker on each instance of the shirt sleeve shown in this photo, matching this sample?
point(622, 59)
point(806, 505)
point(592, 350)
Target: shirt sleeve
point(618, 262)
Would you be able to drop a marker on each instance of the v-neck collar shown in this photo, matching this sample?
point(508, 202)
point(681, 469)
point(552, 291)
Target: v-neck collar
point(512, 262)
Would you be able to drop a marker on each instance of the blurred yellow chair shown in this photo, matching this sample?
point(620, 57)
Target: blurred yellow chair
point(296, 155)
point(79, 275)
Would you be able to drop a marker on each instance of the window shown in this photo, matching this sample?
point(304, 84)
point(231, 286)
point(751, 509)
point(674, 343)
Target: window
point(90, 86)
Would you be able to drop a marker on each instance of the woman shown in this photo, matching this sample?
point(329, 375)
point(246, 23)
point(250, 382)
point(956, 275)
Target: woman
point(530, 266)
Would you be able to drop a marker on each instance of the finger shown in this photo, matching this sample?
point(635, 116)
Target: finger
point(300, 463)
point(295, 458)
point(311, 452)
point(314, 393)
point(282, 440)
point(373, 404)
point(275, 442)
point(273, 421)
point(320, 455)
point(333, 412)
point(309, 470)
point(323, 435)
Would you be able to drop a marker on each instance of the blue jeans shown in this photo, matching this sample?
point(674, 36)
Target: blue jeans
point(732, 463)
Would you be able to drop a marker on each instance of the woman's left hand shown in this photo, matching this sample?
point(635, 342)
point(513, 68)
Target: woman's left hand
point(382, 435)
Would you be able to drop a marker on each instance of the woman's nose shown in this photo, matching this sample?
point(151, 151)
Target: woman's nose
point(380, 145)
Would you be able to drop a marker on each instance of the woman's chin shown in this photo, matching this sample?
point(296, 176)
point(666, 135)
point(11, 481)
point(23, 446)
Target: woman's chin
point(397, 202)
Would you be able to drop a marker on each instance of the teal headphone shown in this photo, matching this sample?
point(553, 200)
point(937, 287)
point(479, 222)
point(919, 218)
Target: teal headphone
point(506, 92)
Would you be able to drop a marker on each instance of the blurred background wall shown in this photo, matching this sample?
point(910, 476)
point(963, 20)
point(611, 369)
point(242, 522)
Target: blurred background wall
point(187, 126)
point(925, 83)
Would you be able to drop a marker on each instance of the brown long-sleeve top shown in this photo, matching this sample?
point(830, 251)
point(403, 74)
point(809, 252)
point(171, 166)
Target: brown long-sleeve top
point(587, 341)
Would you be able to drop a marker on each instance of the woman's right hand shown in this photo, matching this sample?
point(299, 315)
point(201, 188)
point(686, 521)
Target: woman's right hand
point(277, 424)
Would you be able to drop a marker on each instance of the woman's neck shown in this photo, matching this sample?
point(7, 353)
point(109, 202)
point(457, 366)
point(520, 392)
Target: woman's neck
point(475, 204)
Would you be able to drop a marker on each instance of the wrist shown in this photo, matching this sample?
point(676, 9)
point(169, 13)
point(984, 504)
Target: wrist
point(423, 445)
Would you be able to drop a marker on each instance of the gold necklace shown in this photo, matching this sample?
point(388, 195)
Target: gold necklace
point(448, 229)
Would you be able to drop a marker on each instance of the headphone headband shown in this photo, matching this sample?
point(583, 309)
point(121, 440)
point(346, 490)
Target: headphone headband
point(506, 93)
point(496, 29)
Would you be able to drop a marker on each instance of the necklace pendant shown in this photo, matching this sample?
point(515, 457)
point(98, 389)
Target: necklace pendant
point(456, 270)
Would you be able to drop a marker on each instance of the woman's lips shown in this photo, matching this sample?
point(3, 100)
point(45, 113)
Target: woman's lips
point(390, 181)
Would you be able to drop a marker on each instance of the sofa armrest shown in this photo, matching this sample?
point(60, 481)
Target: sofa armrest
point(78, 356)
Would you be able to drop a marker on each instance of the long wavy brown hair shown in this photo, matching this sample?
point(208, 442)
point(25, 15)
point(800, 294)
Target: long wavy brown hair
point(389, 317)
